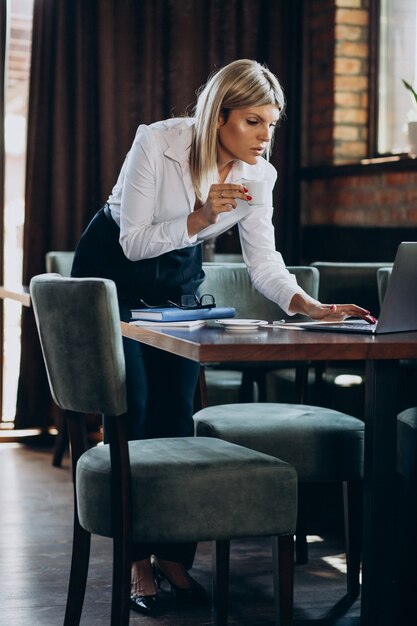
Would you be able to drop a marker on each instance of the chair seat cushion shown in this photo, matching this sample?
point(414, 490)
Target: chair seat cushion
point(407, 443)
point(191, 489)
point(322, 444)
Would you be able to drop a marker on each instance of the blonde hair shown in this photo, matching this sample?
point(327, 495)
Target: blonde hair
point(238, 85)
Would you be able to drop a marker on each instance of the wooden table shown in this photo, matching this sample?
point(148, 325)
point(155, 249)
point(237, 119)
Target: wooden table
point(19, 294)
point(381, 354)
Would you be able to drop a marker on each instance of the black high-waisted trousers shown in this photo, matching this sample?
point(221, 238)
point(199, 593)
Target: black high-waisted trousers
point(160, 386)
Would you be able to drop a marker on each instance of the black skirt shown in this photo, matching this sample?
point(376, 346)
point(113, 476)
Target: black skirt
point(155, 280)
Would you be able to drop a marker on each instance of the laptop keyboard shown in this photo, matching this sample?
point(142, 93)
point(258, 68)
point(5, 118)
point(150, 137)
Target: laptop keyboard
point(363, 327)
point(359, 326)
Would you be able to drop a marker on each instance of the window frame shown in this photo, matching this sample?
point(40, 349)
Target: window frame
point(374, 68)
point(376, 162)
point(373, 109)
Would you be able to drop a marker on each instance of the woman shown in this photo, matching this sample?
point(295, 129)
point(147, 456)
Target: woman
point(182, 183)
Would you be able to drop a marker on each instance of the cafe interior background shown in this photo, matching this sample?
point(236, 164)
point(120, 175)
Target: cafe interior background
point(78, 78)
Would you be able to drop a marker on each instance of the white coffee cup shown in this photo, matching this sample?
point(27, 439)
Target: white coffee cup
point(257, 189)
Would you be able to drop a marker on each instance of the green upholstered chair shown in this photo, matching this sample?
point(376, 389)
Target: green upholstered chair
point(231, 286)
point(322, 444)
point(163, 490)
point(406, 535)
point(407, 444)
point(59, 262)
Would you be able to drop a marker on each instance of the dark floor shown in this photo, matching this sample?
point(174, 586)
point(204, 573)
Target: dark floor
point(35, 545)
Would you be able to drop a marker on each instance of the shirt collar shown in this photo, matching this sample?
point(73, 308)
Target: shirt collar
point(179, 145)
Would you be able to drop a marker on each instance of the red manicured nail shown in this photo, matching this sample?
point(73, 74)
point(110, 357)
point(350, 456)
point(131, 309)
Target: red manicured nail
point(248, 197)
point(245, 189)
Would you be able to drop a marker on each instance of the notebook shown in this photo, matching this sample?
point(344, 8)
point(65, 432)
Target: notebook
point(399, 308)
point(174, 314)
point(188, 324)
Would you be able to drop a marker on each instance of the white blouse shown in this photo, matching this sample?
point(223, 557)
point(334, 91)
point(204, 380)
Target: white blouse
point(154, 195)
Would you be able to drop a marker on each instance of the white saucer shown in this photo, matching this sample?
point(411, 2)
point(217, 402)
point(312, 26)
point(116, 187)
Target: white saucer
point(240, 325)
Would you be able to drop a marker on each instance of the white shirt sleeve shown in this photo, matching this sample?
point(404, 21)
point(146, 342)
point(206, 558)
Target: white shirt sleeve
point(146, 229)
point(265, 264)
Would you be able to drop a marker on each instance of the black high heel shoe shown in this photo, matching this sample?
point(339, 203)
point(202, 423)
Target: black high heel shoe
point(143, 604)
point(184, 596)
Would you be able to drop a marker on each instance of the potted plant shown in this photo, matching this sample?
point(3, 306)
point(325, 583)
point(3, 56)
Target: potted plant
point(412, 123)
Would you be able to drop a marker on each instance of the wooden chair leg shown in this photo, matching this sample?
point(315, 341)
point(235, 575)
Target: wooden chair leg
point(301, 548)
point(301, 545)
point(352, 504)
point(221, 551)
point(81, 538)
point(200, 395)
point(122, 565)
point(283, 570)
point(61, 442)
point(121, 502)
point(78, 575)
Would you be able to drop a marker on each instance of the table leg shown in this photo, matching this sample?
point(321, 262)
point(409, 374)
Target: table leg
point(377, 607)
point(200, 395)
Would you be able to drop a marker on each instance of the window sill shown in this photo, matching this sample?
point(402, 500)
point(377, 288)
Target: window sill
point(379, 165)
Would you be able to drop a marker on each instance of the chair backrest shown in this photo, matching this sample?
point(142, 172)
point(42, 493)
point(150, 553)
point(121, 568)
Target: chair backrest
point(383, 276)
point(79, 329)
point(350, 283)
point(59, 262)
point(407, 445)
point(231, 286)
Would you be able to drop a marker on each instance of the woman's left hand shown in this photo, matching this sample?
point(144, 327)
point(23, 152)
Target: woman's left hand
point(339, 312)
point(301, 303)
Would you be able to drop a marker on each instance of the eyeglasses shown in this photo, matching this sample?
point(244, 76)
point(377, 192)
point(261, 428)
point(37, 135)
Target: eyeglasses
point(191, 301)
point(188, 301)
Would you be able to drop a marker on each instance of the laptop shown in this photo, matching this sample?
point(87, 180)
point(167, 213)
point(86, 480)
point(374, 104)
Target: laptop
point(399, 308)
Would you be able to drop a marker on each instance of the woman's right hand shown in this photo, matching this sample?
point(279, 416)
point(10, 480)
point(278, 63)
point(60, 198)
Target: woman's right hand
point(221, 199)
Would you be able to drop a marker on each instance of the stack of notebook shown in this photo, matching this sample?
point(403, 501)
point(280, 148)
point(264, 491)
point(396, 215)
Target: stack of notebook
point(173, 316)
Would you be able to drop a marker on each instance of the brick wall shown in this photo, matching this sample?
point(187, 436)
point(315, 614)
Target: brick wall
point(350, 120)
point(386, 199)
point(336, 126)
point(336, 93)
point(318, 100)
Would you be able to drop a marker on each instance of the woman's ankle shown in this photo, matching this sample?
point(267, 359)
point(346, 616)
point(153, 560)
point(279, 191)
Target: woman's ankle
point(142, 581)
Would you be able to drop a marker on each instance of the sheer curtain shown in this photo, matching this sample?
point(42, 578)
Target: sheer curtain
point(100, 68)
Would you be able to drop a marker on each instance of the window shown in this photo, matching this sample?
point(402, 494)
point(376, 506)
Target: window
point(19, 39)
point(397, 60)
